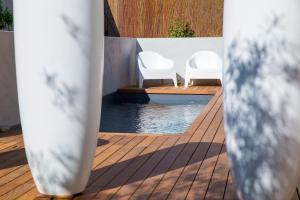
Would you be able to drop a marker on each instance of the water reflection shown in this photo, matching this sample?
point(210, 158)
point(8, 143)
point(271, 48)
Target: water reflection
point(157, 116)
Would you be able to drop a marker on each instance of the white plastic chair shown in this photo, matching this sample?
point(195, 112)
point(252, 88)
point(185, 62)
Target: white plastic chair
point(203, 65)
point(154, 66)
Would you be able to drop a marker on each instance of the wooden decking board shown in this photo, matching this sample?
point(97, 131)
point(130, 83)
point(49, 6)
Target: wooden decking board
point(12, 158)
point(114, 170)
point(188, 166)
point(149, 184)
point(114, 158)
point(230, 193)
point(190, 171)
point(295, 196)
point(5, 140)
point(171, 177)
point(13, 172)
point(13, 175)
point(102, 145)
point(171, 90)
point(111, 142)
point(110, 151)
point(13, 163)
point(10, 135)
point(12, 144)
point(15, 183)
point(31, 194)
point(205, 172)
point(127, 190)
point(217, 184)
point(17, 191)
point(117, 182)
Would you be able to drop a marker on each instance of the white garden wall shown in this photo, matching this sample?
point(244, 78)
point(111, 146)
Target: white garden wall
point(119, 65)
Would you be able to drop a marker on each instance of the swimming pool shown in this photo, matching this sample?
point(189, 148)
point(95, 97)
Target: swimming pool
point(150, 113)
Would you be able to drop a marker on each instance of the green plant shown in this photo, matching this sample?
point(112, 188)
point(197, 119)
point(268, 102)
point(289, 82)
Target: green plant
point(6, 18)
point(180, 29)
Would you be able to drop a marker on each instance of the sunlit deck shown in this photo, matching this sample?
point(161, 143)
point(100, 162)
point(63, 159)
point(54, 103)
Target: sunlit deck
point(130, 166)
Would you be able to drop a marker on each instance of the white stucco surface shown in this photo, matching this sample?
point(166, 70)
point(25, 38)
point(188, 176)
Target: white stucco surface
point(119, 63)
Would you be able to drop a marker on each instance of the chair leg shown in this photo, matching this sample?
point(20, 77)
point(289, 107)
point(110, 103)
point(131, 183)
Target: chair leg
point(186, 82)
point(175, 81)
point(141, 81)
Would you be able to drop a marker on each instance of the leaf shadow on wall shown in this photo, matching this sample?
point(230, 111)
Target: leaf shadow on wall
point(260, 83)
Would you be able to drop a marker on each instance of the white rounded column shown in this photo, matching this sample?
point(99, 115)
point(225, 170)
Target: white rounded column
point(261, 96)
point(59, 58)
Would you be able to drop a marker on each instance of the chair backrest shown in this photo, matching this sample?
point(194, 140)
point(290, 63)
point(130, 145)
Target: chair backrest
point(207, 59)
point(149, 59)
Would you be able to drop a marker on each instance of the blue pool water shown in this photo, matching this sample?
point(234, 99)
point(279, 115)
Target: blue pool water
point(150, 113)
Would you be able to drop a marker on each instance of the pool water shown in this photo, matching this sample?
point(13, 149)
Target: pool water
point(150, 113)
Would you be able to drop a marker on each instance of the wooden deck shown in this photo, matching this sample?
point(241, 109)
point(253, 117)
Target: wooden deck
point(130, 166)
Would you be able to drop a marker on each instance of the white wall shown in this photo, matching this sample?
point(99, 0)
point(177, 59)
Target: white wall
point(9, 109)
point(120, 56)
point(180, 49)
point(119, 63)
point(119, 68)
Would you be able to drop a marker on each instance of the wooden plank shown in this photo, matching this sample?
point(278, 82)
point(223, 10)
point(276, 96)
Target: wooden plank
point(149, 184)
point(13, 175)
point(116, 183)
point(104, 142)
point(18, 190)
point(111, 150)
point(202, 180)
point(218, 182)
point(10, 144)
point(209, 147)
point(17, 160)
point(127, 190)
point(31, 194)
point(7, 134)
point(15, 183)
point(230, 193)
point(8, 152)
point(119, 166)
point(295, 196)
point(111, 141)
point(10, 137)
point(187, 158)
point(159, 90)
point(107, 163)
point(113, 159)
